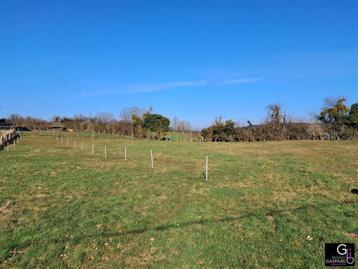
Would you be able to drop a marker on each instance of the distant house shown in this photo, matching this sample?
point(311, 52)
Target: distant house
point(57, 126)
point(4, 125)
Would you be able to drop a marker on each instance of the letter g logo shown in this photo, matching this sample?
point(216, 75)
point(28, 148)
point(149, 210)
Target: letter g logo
point(342, 249)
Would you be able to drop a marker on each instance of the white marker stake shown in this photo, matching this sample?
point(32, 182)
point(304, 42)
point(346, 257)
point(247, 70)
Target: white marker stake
point(125, 153)
point(151, 157)
point(206, 168)
point(105, 151)
point(92, 149)
point(61, 139)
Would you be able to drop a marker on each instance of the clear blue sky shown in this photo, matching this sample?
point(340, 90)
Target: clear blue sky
point(192, 59)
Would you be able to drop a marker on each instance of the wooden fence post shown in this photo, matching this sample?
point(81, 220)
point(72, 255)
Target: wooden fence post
point(151, 157)
point(206, 168)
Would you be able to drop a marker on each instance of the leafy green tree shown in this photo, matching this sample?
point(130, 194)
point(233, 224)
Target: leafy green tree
point(353, 117)
point(206, 133)
point(229, 130)
point(136, 125)
point(334, 115)
point(156, 123)
point(218, 133)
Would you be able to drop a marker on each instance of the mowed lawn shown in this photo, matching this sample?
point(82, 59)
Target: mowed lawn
point(265, 205)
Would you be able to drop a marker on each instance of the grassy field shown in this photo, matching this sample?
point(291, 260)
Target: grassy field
point(266, 205)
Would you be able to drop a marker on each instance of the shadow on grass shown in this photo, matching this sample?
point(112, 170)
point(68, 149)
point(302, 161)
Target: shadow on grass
point(171, 226)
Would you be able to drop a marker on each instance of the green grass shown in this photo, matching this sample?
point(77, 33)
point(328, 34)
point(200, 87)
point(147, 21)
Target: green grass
point(266, 205)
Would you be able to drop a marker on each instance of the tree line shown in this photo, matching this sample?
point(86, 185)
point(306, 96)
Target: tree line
point(335, 121)
point(135, 122)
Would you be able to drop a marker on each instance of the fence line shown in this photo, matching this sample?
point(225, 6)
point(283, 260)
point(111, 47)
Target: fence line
point(113, 151)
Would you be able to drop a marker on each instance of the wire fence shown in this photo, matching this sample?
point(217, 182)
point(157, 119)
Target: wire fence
point(173, 135)
point(108, 147)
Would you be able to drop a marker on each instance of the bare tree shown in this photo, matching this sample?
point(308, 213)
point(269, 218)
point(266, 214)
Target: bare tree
point(126, 113)
point(274, 120)
point(180, 125)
